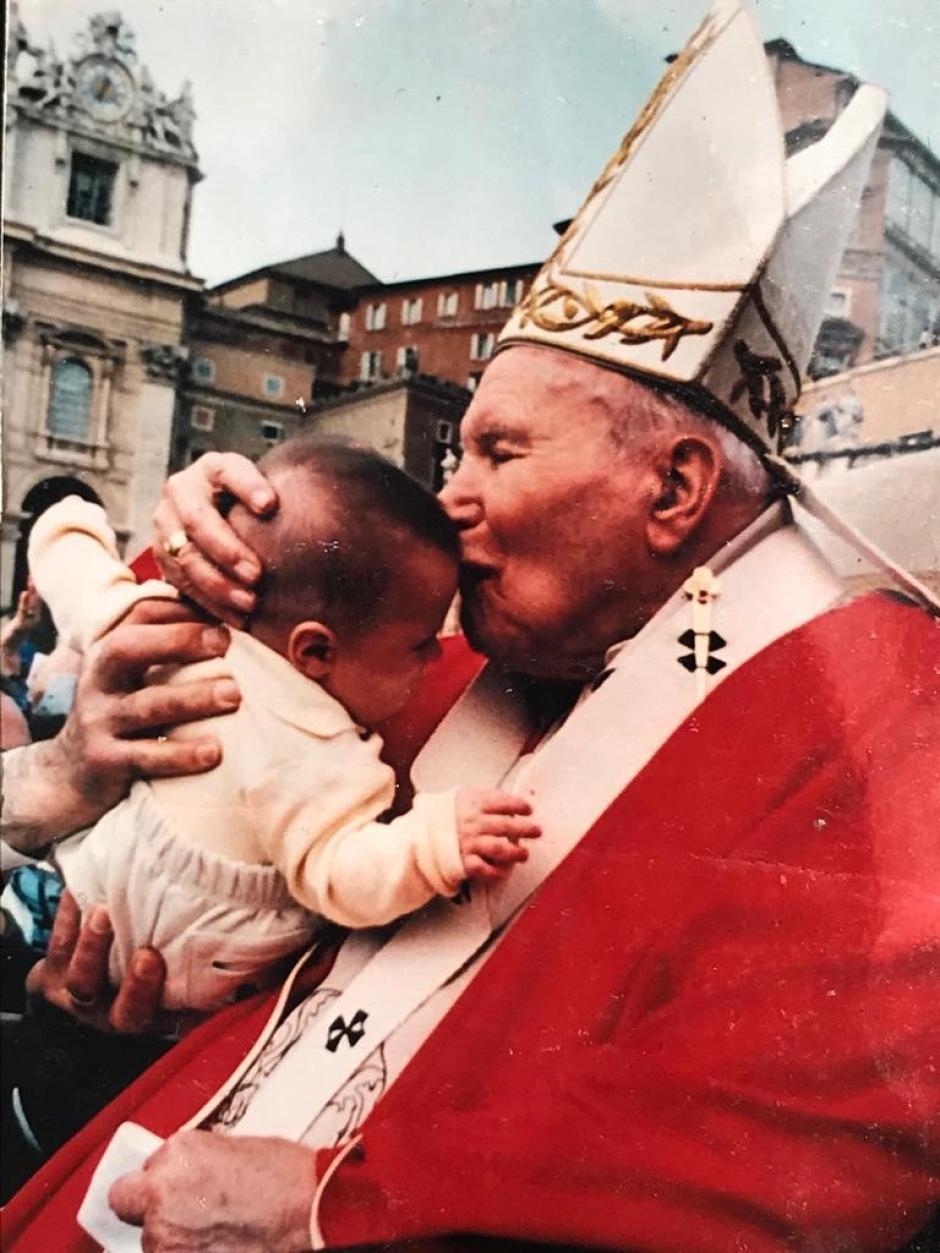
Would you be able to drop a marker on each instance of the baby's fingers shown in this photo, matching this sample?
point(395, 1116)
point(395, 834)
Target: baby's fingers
point(481, 871)
point(509, 828)
point(504, 803)
point(498, 851)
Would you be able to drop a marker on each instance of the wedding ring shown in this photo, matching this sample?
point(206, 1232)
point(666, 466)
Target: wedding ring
point(83, 1002)
point(176, 543)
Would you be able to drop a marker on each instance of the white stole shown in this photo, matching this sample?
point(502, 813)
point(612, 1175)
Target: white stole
point(773, 580)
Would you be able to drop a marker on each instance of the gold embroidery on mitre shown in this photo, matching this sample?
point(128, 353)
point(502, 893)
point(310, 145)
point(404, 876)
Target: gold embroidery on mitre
point(700, 41)
point(766, 397)
point(557, 307)
point(546, 290)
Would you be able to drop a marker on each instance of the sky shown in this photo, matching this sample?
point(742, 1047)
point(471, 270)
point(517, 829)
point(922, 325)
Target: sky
point(444, 135)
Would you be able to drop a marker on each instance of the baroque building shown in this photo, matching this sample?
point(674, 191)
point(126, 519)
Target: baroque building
point(100, 172)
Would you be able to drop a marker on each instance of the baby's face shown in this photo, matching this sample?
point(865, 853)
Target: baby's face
point(374, 675)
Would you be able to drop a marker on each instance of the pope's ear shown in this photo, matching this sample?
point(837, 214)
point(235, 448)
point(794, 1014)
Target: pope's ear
point(688, 469)
point(311, 649)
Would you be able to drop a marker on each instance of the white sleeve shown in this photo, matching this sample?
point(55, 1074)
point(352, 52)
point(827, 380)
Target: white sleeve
point(75, 565)
point(318, 827)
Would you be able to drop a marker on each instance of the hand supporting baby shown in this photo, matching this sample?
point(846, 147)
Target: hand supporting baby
point(490, 828)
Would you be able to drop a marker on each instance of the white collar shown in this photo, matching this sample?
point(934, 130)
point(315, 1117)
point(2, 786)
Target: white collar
point(773, 579)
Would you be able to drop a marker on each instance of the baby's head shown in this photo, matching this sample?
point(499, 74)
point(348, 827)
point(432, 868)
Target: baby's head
point(360, 566)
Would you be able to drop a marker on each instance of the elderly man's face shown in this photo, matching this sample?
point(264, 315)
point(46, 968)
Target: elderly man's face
point(551, 512)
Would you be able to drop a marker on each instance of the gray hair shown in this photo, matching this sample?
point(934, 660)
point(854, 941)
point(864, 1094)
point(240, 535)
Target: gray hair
point(652, 413)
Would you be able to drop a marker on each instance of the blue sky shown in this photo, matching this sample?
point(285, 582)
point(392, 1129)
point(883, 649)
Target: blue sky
point(444, 135)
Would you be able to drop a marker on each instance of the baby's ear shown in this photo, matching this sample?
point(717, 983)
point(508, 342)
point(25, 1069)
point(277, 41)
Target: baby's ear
point(311, 649)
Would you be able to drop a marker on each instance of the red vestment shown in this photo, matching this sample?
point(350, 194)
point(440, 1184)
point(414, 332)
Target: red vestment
point(715, 1026)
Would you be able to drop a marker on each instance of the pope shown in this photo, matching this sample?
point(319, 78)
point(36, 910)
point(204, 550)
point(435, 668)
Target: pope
point(704, 1014)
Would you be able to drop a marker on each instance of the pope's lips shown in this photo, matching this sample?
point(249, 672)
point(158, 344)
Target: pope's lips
point(473, 573)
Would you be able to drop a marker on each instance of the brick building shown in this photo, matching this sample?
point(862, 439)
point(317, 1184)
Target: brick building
point(444, 326)
point(886, 300)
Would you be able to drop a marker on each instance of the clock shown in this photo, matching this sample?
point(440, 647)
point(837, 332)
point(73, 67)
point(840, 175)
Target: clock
point(104, 89)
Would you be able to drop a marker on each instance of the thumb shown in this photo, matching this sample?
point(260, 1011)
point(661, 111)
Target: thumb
point(129, 1197)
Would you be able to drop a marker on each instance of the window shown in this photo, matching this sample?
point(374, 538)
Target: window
point(447, 304)
point(370, 366)
point(486, 296)
point(70, 401)
point(411, 311)
point(839, 303)
point(273, 385)
point(918, 222)
point(899, 192)
point(510, 292)
point(908, 310)
point(444, 432)
point(406, 360)
point(482, 345)
point(201, 418)
point(272, 432)
point(474, 380)
point(204, 370)
point(375, 317)
point(342, 333)
point(913, 205)
point(91, 189)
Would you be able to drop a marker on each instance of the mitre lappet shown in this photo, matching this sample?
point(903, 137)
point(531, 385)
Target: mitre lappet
point(703, 256)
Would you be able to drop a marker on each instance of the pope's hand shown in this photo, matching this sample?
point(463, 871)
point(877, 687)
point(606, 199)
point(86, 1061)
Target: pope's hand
point(210, 1193)
point(212, 565)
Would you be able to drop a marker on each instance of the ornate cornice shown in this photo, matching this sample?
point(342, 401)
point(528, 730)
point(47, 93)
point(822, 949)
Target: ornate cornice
point(163, 363)
point(50, 88)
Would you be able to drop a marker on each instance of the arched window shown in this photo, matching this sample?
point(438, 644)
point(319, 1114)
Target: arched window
point(70, 401)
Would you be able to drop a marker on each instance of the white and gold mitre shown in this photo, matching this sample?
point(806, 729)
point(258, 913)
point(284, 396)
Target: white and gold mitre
point(703, 257)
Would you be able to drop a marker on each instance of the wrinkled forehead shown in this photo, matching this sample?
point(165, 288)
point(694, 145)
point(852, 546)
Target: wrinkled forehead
point(529, 390)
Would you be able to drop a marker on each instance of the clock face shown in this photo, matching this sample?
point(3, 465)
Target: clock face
point(104, 88)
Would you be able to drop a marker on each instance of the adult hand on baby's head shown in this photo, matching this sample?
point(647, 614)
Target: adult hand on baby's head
point(73, 975)
point(490, 826)
point(213, 566)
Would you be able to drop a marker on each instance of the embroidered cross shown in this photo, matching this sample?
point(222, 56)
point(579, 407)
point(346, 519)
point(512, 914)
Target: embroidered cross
point(766, 398)
point(702, 588)
point(353, 1031)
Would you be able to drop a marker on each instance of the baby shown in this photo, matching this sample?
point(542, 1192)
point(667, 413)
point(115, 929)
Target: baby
point(228, 872)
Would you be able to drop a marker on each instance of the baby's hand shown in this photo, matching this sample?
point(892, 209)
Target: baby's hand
point(489, 828)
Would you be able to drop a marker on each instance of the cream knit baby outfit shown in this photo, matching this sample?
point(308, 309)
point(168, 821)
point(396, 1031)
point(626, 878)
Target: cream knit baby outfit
point(228, 872)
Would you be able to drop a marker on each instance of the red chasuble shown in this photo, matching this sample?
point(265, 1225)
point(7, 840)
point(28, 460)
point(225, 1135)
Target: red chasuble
point(716, 1025)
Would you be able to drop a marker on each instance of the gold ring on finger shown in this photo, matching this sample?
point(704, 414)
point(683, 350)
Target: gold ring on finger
point(176, 543)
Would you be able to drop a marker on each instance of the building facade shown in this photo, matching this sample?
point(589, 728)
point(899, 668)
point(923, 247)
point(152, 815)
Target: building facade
point(444, 326)
point(100, 172)
point(886, 300)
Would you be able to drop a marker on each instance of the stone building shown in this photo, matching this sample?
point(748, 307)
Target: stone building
point(413, 421)
point(100, 171)
point(263, 347)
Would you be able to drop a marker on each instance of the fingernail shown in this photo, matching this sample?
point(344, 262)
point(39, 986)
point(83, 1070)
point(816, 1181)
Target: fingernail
point(261, 501)
point(247, 571)
point(242, 600)
point(226, 694)
point(99, 922)
point(215, 639)
point(144, 966)
point(207, 755)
